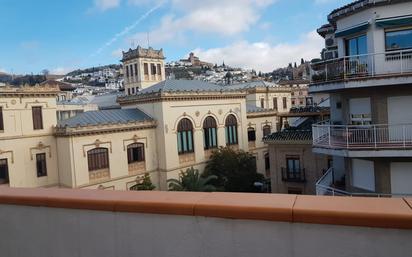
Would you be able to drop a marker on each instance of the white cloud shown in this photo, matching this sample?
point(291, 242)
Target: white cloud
point(2, 70)
point(61, 71)
point(263, 56)
point(265, 26)
point(127, 29)
point(117, 53)
point(224, 17)
point(104, 5)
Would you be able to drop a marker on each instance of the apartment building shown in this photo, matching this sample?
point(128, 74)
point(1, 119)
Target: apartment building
point(370, 130)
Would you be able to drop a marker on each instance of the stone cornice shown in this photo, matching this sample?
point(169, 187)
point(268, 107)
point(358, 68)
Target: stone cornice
point(29, 91)
point(140, 52)
point(268, 113)
point(281, 89)
point(103, 128)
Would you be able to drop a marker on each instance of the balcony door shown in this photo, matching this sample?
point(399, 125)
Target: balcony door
point(356, 50)
point(360, 111)
point(356, 46)
point(293, 165)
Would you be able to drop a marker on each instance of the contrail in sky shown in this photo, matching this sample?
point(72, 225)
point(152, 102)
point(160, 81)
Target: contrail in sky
point(127, 29)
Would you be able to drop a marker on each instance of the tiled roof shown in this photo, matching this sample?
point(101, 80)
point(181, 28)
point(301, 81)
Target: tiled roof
point(254, 108)
point(105, 117)
point(290, 135)
point(62, 85)
point(78, 100)
point(107, 101)
point(252, 84)
point(182, 85)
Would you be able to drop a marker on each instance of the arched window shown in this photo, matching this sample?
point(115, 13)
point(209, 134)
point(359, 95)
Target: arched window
point(210, 133)
point(185, 136)
point(266, 130)
point(231, 130)
point(135, 153)
point(251, 134)
point(98, 159)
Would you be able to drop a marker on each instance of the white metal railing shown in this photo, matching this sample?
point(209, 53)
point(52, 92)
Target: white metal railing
point(364, 65)
point(324, 186)
point(324, 183)
point(386, 136)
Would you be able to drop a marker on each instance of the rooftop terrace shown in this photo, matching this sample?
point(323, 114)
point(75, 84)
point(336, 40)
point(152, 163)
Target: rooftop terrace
point(63, 222)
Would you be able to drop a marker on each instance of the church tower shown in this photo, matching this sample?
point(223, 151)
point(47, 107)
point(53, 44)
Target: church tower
point(142, 68)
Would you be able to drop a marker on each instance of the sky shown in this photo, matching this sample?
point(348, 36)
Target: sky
point(64, 35)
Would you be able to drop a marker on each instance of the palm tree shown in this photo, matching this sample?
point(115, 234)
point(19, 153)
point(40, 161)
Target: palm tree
point(191, 180)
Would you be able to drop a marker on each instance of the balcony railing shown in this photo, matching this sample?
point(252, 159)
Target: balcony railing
point(325, 186)
point(362, 66)
point(296, 175)
point(387, 136)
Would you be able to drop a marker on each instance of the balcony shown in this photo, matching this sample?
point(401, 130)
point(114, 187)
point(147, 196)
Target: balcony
point(363, 137)
point(155, 224)
point(187, 158)
point(99, 175)
point(135, 168)
point(327, 185)
point(351, 69)
point(296, 175)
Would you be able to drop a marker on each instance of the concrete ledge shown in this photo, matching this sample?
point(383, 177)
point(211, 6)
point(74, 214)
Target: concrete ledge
point(353, 211)
point(363, 153)
point(368, 212)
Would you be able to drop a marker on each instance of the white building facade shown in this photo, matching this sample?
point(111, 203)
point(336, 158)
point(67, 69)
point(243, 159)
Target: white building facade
point(370, 132)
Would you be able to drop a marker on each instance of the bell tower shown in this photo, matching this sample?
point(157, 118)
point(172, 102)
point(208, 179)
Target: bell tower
point(142, 68)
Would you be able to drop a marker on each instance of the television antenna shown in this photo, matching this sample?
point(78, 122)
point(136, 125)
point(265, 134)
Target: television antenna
point(148, 40)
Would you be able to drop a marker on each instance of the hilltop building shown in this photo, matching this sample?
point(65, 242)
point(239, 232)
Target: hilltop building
point(195, 61)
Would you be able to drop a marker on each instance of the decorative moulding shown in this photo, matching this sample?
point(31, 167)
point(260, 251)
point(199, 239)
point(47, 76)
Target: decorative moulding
point(39, 147)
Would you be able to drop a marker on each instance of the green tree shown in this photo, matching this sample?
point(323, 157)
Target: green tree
point(143, 184)
point(235, 170)
point(191, 180)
